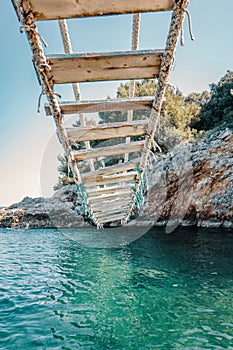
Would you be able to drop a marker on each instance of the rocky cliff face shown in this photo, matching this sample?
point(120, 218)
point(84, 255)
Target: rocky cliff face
point(62, 210)
point(191, 185)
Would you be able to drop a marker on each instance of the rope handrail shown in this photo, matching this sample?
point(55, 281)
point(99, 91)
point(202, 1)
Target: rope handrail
point(46, 76)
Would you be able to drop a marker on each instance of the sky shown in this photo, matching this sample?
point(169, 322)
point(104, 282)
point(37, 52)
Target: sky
point(28, 145)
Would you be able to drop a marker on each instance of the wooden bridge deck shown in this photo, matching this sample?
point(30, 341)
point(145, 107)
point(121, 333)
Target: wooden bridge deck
point(109, 193)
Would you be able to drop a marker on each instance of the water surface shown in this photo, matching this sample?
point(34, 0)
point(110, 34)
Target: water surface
point(159, 292)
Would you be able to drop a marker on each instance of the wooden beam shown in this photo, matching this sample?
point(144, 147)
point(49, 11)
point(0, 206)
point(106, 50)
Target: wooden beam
point(110, 189)
point(88, 67)
point(120, 195)
point(112, 179)
point(52, 9)
point(111, 105)
point(114, 169)
point(105, 132)
point(109, 151)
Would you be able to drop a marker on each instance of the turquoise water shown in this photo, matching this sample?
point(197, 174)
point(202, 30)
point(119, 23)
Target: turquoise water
point(159, 292)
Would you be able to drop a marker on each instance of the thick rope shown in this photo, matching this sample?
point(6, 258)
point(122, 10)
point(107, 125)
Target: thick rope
point(182, 41)
point(68, 49)
point(46, 80)
point(166, 65)
point(132, 85)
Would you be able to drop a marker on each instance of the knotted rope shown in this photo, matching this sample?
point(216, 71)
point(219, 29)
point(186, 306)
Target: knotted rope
point(32, 28)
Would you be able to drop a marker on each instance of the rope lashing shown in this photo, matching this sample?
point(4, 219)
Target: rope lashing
point(152, 144)
point(182, 41)
point(44, 68)
point(33, 29)
point(155, 145)
point(44, 92)
point(69, 171)
point(139, 198)
point(83, 196)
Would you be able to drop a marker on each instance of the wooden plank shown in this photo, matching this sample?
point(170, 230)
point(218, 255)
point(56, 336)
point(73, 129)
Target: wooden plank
point(114, 169)
point(112, 179)
point(109, 151)
point(112, 218)
point(105, 132)
point(111, 213)
point(117, 208)
point(88, 67)
point(109, 189)
point(120, 195)
point(99, 207)
point(110, 105)
point(52, 9)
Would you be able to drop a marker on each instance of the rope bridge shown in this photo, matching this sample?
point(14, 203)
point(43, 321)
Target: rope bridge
point(115, 192)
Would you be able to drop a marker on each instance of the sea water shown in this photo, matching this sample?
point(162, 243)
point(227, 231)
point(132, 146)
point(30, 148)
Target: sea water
point(158, 292)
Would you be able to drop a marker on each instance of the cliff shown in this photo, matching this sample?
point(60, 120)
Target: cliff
point(191, 185)
point(64, 209)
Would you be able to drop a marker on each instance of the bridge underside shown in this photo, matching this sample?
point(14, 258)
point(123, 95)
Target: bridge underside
point(108, 161)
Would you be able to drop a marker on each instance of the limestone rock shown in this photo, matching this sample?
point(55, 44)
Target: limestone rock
point(192, 185)
point(62, 210)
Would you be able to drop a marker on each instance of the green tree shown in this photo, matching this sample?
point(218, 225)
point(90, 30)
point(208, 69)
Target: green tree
point(65, 177)
point(219, 108)
point(177, 114)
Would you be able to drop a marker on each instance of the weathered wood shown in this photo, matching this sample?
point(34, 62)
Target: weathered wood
point(111, 213)
point(120, 195)
point(110, 204)
point(110, 105)
point(51, 9)
point(112, 218)
point(114, 169)
point(108, 210)
point(110, 189)
point(112, 179)
point(105, 132)
point(105, 66)
point(109, 151)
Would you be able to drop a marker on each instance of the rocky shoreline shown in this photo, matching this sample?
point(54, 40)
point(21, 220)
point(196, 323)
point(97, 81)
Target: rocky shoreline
point(189, 186)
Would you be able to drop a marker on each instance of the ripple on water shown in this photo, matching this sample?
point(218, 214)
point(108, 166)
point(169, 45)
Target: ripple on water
point(157, 293)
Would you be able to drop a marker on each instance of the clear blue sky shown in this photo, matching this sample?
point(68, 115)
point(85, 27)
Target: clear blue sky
point(28, 145)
